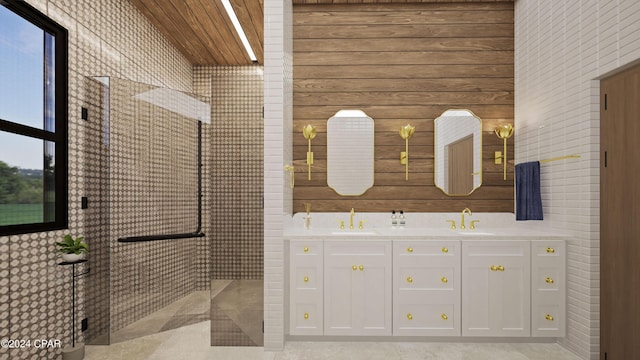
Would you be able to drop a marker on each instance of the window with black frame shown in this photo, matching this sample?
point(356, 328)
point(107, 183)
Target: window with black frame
point(33, 121)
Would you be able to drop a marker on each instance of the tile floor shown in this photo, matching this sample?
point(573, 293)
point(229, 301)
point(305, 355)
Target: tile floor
point(237, 312)
point(192, 342)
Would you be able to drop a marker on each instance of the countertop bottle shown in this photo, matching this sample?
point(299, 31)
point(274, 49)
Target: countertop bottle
point(401, 219)
point(394, 219)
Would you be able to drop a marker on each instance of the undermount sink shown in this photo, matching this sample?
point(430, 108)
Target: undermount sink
point(354, 233)
point(474, 232)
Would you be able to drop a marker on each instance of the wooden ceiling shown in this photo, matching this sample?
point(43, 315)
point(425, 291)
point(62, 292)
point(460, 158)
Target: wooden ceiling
point(329, 2)
point(202, 31)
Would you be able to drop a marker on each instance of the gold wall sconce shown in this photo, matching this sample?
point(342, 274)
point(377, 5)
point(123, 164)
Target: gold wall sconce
point(309, 133)
point(503, 132)
point(406, 132)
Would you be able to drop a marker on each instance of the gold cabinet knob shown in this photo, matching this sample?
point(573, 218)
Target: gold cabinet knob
point(361, 268)
point(551, 250)
point(493, 268)
point(548, 317)
point(409, 279)
point(445, 250)
point(306, 249)
point(549, 280)
point(306, 316)
point(410, 249)
point(444, 317)
point(500, 268)
point(409, 316)
point(354, 267)
point(306, 279)
point(444, 280)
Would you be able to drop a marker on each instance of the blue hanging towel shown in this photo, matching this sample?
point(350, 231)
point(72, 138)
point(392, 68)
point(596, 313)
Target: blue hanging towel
point(528, 199)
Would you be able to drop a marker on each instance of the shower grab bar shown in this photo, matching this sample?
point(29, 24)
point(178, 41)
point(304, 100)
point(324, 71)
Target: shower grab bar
point(197, 233)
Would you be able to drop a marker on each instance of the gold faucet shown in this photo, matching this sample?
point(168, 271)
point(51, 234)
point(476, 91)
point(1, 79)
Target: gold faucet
point(465, 210)
point(353, 212)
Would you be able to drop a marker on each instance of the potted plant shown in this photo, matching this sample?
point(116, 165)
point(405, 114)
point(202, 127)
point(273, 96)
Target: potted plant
point(72, 249)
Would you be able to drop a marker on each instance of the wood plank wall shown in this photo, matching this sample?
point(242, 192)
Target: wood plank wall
point(403, 63)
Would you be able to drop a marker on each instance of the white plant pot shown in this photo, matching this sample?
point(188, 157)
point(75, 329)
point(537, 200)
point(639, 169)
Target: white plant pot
point(72, 257)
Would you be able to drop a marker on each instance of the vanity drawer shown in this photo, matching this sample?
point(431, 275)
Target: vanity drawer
point(426, 320)
point(305, 248)
point(547, 320)
point(306, 317)
point(450, 248)
point(306, 277)
point(421, 278)
point(552, 248)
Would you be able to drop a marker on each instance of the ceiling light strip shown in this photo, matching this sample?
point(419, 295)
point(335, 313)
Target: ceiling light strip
point(239, 30)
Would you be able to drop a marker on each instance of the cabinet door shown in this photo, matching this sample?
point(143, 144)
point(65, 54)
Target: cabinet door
point(357, 292)
point(496, 288)
point(548, 288)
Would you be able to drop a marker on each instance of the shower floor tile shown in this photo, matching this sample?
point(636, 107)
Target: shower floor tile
point(191, 309)
point(237, 312)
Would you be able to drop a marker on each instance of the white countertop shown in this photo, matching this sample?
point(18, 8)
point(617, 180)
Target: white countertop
point(425, 226)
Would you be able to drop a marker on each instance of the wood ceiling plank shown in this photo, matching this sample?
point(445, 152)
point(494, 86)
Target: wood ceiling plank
point(163, 18)
point(251, 16)
point(215, 22)
point(190, 14)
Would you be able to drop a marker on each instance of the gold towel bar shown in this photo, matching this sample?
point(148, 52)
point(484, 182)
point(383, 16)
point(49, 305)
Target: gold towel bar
point(560, 158)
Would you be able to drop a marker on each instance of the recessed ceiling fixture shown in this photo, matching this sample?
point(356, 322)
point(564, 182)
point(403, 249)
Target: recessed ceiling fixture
point(239, 30)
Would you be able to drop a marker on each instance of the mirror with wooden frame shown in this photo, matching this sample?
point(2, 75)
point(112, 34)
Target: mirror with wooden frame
point(458, 152)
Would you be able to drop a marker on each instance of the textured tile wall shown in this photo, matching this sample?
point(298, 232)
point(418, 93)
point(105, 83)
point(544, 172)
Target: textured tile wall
point(108, 37)
point(562, 48)
point(278, 197)
point(235, 158)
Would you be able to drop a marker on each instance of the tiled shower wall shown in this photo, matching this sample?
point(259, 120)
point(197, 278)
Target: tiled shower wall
point(234, 165)
point(107, 37)
point(563, 48)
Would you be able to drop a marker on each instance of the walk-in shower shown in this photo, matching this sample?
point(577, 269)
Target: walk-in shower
point(148, 244)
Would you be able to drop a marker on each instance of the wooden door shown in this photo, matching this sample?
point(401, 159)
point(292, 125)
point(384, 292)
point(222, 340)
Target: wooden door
point(620, 215)
point(461, 166)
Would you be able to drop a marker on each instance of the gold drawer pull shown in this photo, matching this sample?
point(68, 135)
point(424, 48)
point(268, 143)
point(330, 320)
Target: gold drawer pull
point(444, 317)
point(444, 280)
point(409, 316)
point(361, 267)
point(306, 249)
point(410, 249)
point(354, 267)
point(549, 280)
point(409, 279)
point(500, 268)
point(548, 317)
point(445, 250)
point(551, 250)
point(493, 268)
point(306, 279)
point(306, 316)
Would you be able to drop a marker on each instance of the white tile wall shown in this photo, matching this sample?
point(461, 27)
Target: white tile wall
point(562, 49)
point(278, 99)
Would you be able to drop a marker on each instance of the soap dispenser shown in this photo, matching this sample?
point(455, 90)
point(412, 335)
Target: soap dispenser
point(394, 219)
point(401, 219)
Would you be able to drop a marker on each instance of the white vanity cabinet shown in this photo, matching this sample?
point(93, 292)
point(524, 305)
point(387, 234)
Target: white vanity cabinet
point(548, 283)
point(357, 291)
point(305, 287)
point(496, 288)
point(426, 288)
